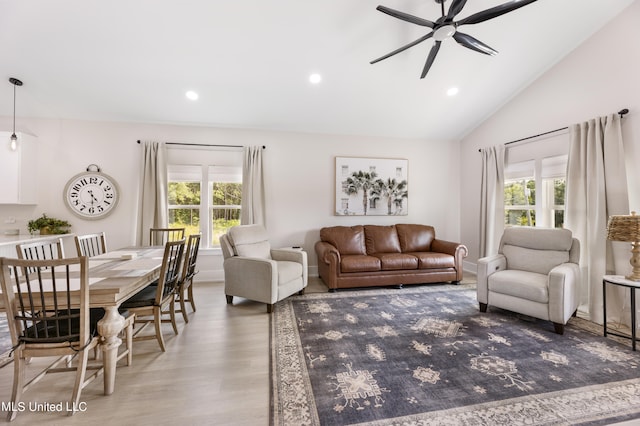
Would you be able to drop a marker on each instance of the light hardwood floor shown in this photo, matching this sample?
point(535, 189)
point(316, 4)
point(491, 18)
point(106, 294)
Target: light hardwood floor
point(215, 372)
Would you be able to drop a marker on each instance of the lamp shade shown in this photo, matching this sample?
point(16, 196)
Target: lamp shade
point(624, 228)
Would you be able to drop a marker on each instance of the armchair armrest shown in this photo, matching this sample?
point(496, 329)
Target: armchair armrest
point(251, 277)
point(487, 266)
point(293, 255)
point(290, 255)
point(564, 283)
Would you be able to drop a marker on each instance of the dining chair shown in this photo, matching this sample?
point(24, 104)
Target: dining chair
point(150, 303)
point(95, 244)
point(91, 244)
point(48, 326)
point(161, 236)
point(41, 250)
point(184, 293)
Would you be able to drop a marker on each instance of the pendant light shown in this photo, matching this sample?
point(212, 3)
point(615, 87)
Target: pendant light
point(13, 144)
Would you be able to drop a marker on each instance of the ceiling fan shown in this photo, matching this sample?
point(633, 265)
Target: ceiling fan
point(445, 27)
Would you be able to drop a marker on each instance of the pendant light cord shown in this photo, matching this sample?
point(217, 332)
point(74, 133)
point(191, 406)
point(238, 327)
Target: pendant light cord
point(14, 108)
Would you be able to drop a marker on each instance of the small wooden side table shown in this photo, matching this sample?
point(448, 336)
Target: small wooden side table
point(632, 285)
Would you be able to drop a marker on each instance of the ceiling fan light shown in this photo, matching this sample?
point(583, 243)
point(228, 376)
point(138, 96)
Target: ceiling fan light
point(444, 32)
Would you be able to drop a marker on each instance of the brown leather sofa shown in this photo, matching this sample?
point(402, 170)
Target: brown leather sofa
point(373, 255)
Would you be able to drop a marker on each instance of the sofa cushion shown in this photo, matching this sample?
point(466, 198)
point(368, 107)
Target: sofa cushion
point(395, 261)
point(433, 260)
point(381, 239)
point(415, 238)
point(347, 239)
point(359, 263)
point(521, 284)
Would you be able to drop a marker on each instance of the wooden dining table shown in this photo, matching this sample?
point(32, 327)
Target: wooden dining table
point(113, 278)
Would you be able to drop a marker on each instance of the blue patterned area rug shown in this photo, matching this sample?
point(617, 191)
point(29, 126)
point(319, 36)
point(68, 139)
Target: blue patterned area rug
point(426, 356)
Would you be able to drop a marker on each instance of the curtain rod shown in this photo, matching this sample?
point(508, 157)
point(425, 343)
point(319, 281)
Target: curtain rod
point(204, 144)
point(622, 112)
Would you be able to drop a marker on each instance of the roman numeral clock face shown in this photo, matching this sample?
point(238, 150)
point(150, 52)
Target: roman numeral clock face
point(91, 195)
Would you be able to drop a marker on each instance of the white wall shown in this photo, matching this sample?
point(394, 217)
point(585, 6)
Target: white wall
point(600, 77)
point(299, 174)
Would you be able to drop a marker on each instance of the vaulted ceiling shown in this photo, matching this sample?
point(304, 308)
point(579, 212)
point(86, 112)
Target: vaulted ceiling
point(250, 61)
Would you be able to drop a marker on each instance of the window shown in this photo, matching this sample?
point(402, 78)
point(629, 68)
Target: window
point(205, 198)
point(523, 205)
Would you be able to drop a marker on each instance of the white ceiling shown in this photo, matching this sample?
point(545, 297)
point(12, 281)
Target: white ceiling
point(249, 60)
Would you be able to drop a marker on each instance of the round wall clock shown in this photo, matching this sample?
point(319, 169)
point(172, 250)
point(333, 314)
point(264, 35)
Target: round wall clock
point(91, 194)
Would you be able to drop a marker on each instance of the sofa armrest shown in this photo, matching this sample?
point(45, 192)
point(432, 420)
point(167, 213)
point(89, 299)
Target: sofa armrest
point(251, 277)
point(487, 266)
point(328, 263)
point(457, 250)
point(327, 253)
point(564, 283)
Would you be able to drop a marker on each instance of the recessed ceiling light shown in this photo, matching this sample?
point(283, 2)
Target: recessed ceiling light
point(315, 78)
point(453, 91)
point(191, 95)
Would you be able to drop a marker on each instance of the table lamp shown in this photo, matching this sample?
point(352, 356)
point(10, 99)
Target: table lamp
point(627, 228)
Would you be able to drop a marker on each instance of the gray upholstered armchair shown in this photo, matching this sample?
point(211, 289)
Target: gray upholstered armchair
point(253, 270)
point(535, 273)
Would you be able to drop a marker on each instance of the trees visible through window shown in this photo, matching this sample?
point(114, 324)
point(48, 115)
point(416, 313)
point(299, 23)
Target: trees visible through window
point(534, 192)
point(205, 199)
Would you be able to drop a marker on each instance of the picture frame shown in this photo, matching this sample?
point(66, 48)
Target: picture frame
point(371, 186)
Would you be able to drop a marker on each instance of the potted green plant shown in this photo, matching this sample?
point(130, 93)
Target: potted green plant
point(48, 225)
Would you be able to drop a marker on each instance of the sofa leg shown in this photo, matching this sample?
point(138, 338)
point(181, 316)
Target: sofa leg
point(559, 328)
point(301, 292)
point(575, 313)
point(229, 299)
point(483, 307)
point(399, 286)
point(269, 308)
point(455, 282)
point(332, 290)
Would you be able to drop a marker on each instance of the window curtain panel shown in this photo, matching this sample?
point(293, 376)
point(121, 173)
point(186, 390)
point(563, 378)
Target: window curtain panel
point(253, 208)
point(491, 199)
point(152, 200)
point(597, 188)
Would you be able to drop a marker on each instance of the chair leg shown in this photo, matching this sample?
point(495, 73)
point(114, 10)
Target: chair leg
point(183, 308)
point(157, 313)
point(18, 383)
point(77, 388)
point(172, 313)
point(229, 299)
point(559, 328)
point(483, 307)
point(129, 337)
point(190, 291)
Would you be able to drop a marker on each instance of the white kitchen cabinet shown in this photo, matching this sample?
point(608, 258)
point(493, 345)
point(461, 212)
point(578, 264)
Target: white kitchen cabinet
point(18, 170)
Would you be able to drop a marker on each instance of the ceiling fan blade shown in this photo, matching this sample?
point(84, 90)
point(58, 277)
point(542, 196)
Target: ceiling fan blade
point(406, 17)
point(403, 48)
point(431, 58)
point(455, 8)
point(473, 43)
point(494, 12)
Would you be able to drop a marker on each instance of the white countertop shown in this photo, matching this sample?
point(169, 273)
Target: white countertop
point(12, 240)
